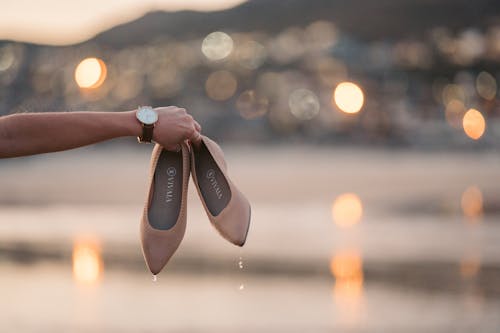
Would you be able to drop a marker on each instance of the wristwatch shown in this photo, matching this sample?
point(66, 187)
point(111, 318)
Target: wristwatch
point(148, 117)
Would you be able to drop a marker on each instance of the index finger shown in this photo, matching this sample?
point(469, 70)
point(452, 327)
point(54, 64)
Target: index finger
point(195, 138)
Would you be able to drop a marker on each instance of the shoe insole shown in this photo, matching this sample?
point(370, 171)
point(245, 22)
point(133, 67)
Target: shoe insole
point(167, 191)
point(212, 183)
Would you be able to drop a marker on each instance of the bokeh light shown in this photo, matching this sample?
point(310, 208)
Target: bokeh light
point(217, 45)
point(321, 35)
point(474, 124)
point(251, 54)
point(303, 104)
point(250, 105)
point(348, 97)
point(7, 57)
point(347, 210)
point(329, 71)
point(470, 266)
point(412, 54)
point(453, 92)
point(90, 73)
point(221, 85)
point(472, 203)
point(470, 45)
point(87, 261)
point(454, 113)
point(486, 85)
point(347, 269)
point(287, 46)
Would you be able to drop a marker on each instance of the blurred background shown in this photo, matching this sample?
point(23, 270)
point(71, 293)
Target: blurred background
point(366, 135)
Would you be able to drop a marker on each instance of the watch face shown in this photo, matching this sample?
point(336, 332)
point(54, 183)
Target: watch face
point(147, 115)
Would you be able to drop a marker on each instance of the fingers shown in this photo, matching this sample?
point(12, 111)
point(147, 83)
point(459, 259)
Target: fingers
point(195, 137)
point(197, 126)
point(174, 148)
point(178, 125)
point(193, 133)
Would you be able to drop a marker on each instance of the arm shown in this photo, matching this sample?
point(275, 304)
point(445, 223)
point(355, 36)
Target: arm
point(35, 133)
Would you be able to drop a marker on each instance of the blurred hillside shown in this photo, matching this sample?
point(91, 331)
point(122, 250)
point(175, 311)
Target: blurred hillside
point(367, 20)
point(271, 69)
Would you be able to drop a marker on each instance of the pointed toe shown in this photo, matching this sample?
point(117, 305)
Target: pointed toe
point(163, 222)
point(156, 257)
point(155, 265)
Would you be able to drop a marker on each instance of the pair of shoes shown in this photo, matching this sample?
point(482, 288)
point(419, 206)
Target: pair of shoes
point(163, 222)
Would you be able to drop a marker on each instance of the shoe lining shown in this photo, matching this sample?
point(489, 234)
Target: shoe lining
point(213, 185)
point(166, 200)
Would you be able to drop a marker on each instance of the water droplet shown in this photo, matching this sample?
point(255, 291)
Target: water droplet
point(242, 286)
point(240, 263)
point(155, 278)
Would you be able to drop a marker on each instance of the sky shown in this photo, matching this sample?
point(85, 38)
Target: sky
point(61, 22)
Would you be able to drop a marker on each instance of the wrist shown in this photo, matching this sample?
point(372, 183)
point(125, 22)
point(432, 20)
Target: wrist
point(147, 117)
point(134, 127)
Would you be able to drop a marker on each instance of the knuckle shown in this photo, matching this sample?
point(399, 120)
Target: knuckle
point(190, 131)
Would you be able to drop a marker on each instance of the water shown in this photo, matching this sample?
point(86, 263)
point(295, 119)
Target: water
point(409, 248)
point(240, 267)
point(122, 302)
point(155, 278)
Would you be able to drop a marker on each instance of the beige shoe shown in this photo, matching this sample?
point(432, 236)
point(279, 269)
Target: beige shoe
point(164, 219)
point(227, 208)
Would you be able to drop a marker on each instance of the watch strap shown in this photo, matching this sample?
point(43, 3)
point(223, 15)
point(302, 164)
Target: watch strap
point(147, 133)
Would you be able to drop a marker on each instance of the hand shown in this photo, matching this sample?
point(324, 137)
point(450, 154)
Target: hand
point(175, 125)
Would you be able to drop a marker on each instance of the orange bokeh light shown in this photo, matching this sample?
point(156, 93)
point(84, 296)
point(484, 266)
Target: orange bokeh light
point(474, 124)
point(87, 260)
point(90, 73)
point(348, 97)
point(347, 269)
point(347, 210)
point(454, 113)
point(470, 266)
point(472, 203)
point(221, 85)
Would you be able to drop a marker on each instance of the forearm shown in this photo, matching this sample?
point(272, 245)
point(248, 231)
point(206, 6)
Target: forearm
point(34, 133)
